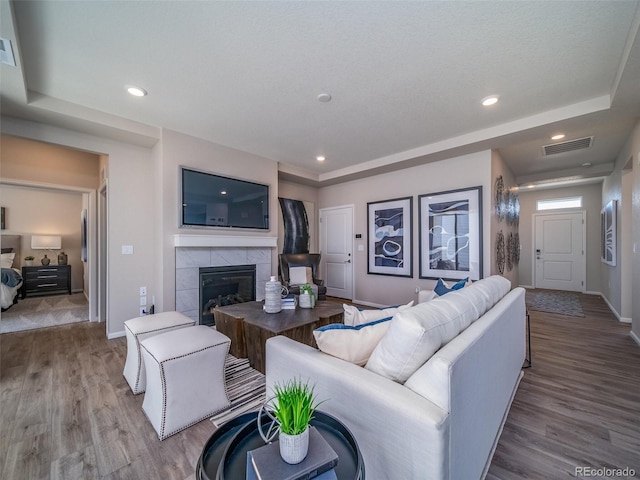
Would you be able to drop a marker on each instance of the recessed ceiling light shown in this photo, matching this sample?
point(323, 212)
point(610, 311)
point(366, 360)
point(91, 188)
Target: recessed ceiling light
point(324, 97)
point(491, 100)
point(136, 91)
point(530, 186)
point(223, 192)
point(559, 136)
point(320, 158)
point(586, 164)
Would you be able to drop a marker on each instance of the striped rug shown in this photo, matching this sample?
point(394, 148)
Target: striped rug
point(245, 387)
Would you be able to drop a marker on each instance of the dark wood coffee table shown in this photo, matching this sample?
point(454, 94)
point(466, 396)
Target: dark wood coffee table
point(249, 326)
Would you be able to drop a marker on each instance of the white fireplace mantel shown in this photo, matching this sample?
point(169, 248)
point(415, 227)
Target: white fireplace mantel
point(186, 240)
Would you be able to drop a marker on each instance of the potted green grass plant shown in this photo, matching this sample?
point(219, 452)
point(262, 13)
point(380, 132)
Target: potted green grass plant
point(293, 408)
point(28, 260)
point(307, 299)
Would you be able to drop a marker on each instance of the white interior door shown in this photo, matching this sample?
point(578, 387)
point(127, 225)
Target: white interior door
point(336, 246)
point(559, 251)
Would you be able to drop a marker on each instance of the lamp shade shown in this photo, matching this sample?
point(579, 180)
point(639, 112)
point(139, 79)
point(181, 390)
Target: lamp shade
point(46, 242)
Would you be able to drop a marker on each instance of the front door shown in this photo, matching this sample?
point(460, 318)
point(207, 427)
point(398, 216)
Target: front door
point(559, 251)
point(336, 245)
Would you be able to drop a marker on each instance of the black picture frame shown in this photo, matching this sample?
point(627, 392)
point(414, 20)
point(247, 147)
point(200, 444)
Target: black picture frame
point(390, 237)
point(450, 233)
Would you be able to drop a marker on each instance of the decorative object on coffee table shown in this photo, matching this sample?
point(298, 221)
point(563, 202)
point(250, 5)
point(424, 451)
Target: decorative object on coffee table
point(307, 299)
point(273, 296)
point(293, 407)
point(224, 455)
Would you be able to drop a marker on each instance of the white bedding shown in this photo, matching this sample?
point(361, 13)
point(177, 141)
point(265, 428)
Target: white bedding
point(7, 294)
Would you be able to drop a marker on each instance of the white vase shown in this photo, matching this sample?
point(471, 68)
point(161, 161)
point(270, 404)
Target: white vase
point(305, 300)
point(294, 448)
point(273, 296)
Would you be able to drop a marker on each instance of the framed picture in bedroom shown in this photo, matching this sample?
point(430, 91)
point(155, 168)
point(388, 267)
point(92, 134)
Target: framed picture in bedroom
point(608, 233)
point(389, 237)
point(3, 226)
point(450, 234)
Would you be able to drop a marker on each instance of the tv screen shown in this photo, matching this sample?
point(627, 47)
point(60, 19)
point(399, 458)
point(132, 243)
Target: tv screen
point(210, 200)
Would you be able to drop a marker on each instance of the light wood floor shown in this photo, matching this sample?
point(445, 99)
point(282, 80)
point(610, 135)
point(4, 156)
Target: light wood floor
point(66, 411)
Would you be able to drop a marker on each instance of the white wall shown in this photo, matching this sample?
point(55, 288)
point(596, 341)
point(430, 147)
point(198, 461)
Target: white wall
point(36, 211)
point(460, 172)
point(179, 149)
point(130, 206)
point(592, 199)
point(500, 168)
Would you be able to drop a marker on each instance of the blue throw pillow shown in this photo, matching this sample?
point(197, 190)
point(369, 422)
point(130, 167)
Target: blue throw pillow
point(442, 287)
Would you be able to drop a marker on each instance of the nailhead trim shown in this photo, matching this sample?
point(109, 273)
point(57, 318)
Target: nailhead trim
point(135, 336)
point(162, 435)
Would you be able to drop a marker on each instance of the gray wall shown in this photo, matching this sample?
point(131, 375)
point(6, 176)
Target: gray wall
point(592, 198)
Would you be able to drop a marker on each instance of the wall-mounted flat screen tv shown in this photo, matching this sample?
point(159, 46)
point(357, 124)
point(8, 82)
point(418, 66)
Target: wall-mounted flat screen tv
point(210, 200)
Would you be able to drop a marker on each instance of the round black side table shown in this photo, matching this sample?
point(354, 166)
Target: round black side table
point(224, 456)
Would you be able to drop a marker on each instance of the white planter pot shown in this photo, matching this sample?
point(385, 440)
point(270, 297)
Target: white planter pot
point(294, 448)
point(28, 263)
point(305, 300)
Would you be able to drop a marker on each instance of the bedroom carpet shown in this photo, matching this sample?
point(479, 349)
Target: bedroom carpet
point(245, 388)
point(562, 303)
point(40, 312)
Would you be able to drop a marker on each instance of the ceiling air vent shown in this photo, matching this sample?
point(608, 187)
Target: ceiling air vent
point(569, 146)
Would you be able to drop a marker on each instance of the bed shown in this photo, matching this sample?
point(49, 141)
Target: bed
point(11, 276)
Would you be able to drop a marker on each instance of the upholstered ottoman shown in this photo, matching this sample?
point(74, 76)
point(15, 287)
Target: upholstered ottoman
point(185, 377)
point(136, 330)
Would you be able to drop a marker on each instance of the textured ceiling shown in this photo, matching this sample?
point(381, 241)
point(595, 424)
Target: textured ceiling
point(406, 78)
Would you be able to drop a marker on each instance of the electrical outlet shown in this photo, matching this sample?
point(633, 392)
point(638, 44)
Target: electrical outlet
point(143, 291)
point(142, 311)
point(143, 301)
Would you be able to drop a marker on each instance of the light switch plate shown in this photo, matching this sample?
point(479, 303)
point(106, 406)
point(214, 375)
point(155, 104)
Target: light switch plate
point(143, 301)
point(127, 249)
point(143, 291)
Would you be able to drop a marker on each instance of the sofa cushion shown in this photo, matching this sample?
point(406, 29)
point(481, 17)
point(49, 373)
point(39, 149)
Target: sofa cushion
point(300, 276)
point(352, 344)
point(443, 287)
point(353, 316)
point(415, 334)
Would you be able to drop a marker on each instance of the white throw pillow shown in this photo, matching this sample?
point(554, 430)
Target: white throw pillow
point(352, 344)
point(353, 316)
point(300, 276)
point(417, 333)
point(7, 260)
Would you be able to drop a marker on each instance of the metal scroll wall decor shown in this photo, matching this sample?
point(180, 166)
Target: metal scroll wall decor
point(499, 200)
point(511, 247)
point(500, 252)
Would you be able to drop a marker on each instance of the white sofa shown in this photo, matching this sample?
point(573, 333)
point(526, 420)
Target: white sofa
point(446, 426)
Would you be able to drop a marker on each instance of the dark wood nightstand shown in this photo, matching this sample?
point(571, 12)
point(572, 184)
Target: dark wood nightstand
point(46, 280)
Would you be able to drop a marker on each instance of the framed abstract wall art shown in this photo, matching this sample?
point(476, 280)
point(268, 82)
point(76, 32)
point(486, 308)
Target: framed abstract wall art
point(608, 233)
point(450, 233)
point(389, 237)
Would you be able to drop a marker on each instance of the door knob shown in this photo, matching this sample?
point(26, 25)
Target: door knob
point(347, 261)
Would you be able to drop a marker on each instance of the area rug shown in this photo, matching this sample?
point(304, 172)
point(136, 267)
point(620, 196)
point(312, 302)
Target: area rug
point(562, 303)
point(245, 387)
point(40, 312)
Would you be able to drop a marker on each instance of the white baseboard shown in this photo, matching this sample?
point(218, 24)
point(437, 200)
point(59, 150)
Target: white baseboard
point(615, 313)
point(589, 292)
point(528, 287)
point(368, 304)
point(111, 336)
point(635, 337)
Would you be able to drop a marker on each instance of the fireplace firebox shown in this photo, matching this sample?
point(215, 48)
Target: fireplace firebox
point(226, 285)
